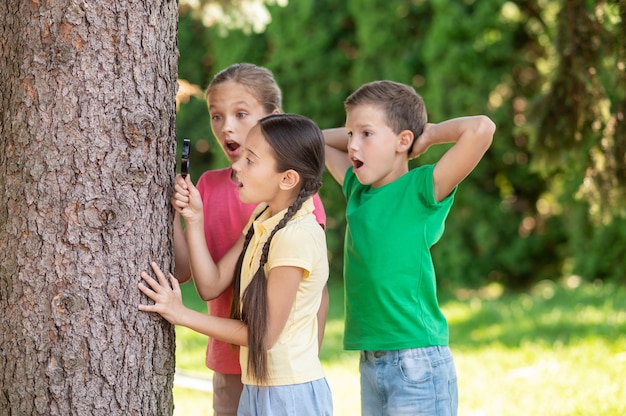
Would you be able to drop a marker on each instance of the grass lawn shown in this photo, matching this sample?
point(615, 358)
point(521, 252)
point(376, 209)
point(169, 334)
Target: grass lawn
point(557, 350)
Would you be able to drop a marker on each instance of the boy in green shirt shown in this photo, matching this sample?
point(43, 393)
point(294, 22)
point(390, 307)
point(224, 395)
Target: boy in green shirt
point(394, 216)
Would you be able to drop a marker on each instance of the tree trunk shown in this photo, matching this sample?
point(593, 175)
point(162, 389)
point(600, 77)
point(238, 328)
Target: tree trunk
point(87, 124)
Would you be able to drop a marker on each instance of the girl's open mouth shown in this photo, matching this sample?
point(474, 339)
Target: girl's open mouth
point(232, 146)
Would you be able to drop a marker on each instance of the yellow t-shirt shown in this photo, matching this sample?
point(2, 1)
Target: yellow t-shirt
point(293, 359)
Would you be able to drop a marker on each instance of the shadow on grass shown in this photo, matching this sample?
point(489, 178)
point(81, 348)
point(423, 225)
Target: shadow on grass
point(550, 314)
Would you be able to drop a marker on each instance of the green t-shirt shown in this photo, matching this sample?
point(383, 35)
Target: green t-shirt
point(391, 295)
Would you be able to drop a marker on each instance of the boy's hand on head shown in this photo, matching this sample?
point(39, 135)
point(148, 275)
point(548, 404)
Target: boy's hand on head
point(186, 199)
point(167, 300)
point(422, 143)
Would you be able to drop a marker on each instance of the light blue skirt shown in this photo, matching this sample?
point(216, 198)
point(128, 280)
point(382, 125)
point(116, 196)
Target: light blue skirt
point(313, 398)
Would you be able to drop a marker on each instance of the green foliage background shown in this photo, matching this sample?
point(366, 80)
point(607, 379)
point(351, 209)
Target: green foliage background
point(548, 198)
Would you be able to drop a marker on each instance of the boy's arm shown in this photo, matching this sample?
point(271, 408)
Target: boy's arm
point(337, 160)
point(472, 137)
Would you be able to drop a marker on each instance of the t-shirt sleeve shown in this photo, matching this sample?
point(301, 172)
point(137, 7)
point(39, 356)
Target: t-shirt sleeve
point(292, 247)
point(423, 181)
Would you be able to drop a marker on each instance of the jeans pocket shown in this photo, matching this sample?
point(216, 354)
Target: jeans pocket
point(416, 369)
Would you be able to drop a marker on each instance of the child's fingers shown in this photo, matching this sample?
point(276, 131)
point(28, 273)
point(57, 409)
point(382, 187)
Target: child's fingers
point(155, 287)
point(160, 275)
point(180, 198)
point(181, 188)
point(144, 307)
point(146, 290)
point(193, 191)
point(153, 284)
point(175, 284)
point(151, 294)
point(180, 181)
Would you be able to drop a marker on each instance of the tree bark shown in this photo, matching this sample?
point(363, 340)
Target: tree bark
point(87, 124)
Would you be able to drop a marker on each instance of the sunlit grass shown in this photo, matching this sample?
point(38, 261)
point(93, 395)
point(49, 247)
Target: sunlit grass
point(584, 378)
point(557, 350)
point(188, 402)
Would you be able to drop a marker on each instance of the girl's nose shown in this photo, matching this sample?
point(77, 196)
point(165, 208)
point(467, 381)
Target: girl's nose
point(227, 125)
point(236, 165)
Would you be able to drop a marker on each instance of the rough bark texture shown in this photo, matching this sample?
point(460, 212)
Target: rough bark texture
point(87, 157)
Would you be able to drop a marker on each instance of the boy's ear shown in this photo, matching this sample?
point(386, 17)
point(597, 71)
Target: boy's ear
point(290, 180)
point(405, 140)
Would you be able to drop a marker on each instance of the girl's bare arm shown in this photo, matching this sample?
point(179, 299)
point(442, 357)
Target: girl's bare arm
point(211, 279)
point(168, 303)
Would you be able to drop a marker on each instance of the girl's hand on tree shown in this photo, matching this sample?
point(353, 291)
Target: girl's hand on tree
point(186, 200)
point(167, 300)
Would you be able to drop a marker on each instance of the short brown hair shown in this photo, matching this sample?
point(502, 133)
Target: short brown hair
point(403, 107)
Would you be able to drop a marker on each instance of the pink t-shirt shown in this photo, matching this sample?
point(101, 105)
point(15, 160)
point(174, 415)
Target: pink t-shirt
point(225, 216)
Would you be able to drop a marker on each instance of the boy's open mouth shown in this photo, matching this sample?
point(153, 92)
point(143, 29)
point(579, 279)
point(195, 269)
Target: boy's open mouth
point(356, 163)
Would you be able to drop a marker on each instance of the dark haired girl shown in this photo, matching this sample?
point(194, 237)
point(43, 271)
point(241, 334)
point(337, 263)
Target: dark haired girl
point(237, 97)
point(279, 269)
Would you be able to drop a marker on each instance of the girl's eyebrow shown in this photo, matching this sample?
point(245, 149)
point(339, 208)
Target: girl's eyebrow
point(240, 103)
point(252, 152)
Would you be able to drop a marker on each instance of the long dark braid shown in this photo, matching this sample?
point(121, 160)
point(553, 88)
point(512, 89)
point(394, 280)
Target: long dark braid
point(299, 145)
point(235, 303)
point(255, 300)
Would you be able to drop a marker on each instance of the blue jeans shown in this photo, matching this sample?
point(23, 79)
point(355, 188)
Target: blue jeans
point(415, 382)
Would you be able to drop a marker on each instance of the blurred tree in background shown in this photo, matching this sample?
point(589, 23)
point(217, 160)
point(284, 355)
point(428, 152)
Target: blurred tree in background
point(548, 199)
